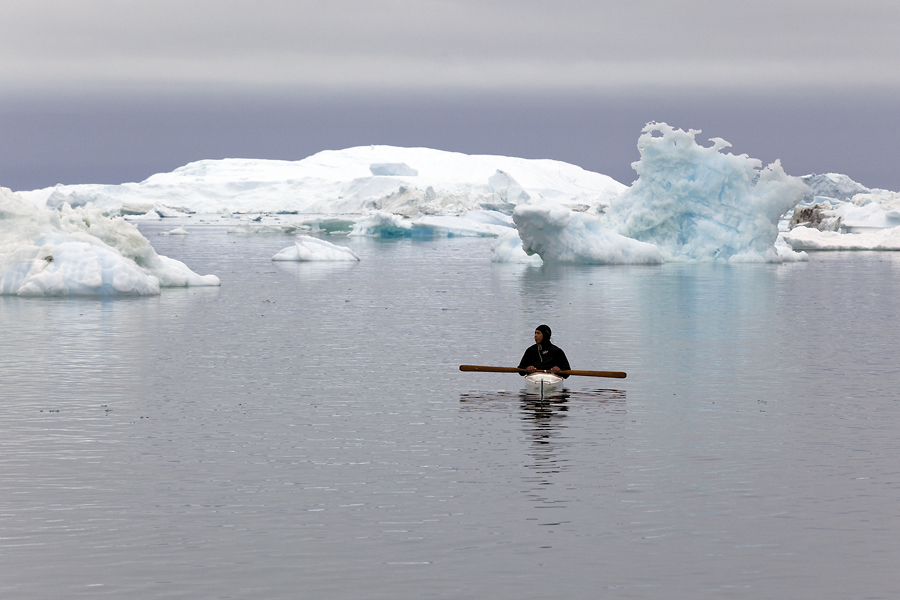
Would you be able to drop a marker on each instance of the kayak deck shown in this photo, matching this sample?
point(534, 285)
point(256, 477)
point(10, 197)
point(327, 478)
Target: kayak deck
point(543, 383)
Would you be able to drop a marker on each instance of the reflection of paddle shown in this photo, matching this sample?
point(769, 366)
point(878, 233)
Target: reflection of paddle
point(616, 374)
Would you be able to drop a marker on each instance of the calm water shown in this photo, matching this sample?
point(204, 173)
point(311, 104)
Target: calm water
point(303, 431)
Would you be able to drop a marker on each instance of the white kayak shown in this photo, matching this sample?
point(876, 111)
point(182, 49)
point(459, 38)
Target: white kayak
point(543, 383)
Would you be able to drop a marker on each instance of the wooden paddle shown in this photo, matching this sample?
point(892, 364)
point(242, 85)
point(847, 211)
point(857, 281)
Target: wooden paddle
point(616, 374)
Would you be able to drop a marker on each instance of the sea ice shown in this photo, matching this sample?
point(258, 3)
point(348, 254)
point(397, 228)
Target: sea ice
point(308, 248)
point(80, 252)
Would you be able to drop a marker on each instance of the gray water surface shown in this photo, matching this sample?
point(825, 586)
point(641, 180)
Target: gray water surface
point(304, 432)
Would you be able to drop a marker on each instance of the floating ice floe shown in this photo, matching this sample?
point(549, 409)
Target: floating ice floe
point(805, 238)
point(472, 224)
point(308, 248)
point(80, 252)
point(259, 228)
point(176, 231)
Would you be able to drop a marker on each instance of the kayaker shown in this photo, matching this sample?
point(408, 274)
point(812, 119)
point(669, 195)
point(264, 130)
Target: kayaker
point(544, 356)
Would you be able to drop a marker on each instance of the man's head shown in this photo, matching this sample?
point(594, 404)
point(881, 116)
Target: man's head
point(542, 332)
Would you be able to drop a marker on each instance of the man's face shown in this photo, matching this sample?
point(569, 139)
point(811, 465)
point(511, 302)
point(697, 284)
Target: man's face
point(538, 337)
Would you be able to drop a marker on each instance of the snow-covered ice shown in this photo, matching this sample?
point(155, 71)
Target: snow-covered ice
point(508, 249)
point(80, 252)
point(559, 235)
point(406, 181)
point(805, 238)
point(308, 248)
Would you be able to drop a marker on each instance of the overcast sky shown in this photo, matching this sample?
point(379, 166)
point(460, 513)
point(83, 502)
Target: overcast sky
point(112, 89)
point(448, 44)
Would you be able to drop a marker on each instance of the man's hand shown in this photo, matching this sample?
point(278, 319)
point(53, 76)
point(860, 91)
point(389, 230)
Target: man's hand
point(531, 369)
point(554, 370)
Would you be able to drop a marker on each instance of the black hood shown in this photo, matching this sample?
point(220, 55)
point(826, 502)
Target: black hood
point(545, 330)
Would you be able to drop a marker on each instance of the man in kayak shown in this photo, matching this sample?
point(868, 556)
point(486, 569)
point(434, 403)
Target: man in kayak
point(544, 356)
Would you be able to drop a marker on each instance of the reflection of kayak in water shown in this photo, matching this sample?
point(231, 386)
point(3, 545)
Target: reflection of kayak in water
point(543, 383)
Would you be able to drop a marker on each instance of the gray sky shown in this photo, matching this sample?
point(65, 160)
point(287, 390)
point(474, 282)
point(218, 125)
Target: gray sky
point(106, 91)
point(448, 45)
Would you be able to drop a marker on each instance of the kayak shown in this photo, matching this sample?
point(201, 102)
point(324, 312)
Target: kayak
point(543, 383)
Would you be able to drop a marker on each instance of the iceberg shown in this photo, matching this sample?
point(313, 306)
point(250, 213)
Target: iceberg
point(404, 181)
point(308, 248)
point(698, 203)
point(80, 252)
point(689, 203)
point(833, 186)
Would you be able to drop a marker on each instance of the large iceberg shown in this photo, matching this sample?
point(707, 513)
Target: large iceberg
point(80, 252)
point(690, 203)
point(404, 181)
point(698, 203)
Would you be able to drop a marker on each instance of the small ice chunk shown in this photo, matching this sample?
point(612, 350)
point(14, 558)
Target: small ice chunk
point(785, 253)
point(308, 248)
point(176, 231)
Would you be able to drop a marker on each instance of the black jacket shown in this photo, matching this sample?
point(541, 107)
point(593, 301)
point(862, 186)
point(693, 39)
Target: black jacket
point(544, 357)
